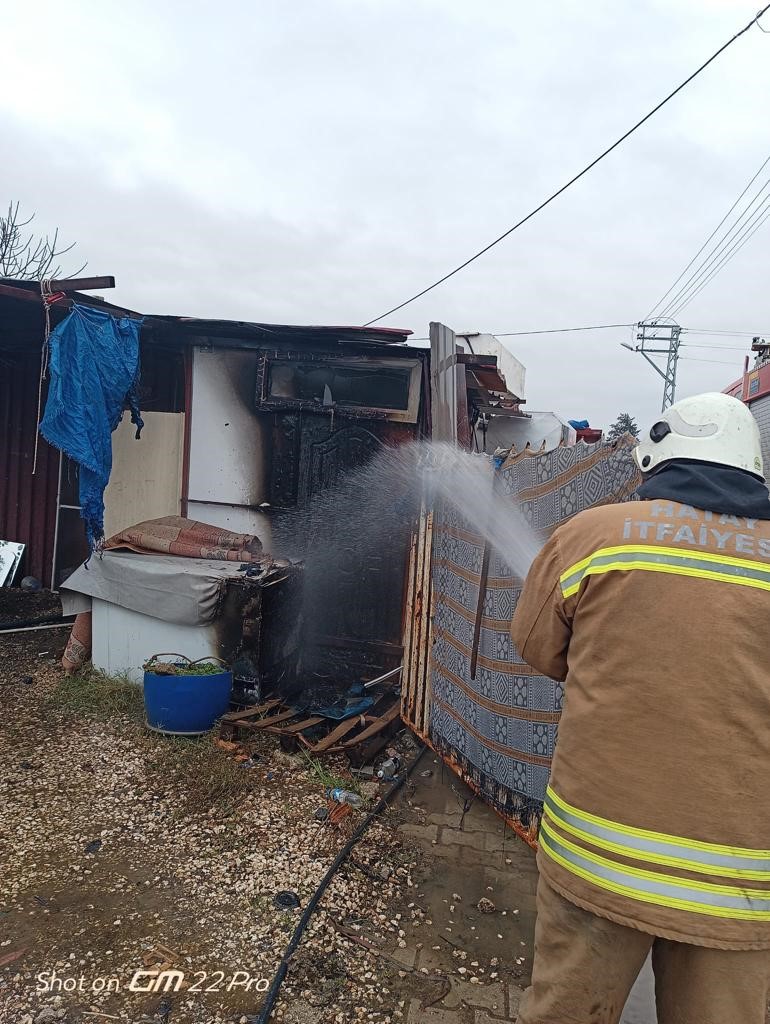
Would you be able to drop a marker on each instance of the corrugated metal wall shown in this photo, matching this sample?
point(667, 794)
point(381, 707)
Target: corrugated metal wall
point(27, 503)
point(761, 411)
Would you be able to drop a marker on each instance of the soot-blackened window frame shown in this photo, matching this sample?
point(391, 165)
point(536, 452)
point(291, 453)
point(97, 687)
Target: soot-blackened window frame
point(267, 402)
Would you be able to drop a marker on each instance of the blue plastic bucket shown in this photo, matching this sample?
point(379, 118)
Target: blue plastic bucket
point(186, 705)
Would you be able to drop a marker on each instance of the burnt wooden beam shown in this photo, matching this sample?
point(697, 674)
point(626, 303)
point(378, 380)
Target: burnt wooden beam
point(19, 293)
point(74, 284)
point(82, 284)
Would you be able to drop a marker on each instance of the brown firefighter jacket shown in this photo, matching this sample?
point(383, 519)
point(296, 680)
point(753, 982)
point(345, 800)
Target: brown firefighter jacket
point(657, 816)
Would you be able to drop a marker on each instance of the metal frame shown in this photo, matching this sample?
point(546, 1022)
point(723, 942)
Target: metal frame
point(443, 380)
point(657, 332)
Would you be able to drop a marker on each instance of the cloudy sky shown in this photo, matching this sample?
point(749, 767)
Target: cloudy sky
point(319, 162)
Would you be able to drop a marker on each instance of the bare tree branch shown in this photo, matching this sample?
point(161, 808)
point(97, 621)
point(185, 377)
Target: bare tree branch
point(27, 257)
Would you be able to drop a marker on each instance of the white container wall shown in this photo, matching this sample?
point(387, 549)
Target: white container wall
point(123, 640)
point(227, 443)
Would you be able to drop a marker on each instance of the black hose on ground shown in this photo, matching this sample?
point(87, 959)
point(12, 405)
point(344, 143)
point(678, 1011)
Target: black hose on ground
point(272, 993)
point(12, 627)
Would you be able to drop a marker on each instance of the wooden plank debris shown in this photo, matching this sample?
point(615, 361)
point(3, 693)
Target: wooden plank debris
point(353, 736)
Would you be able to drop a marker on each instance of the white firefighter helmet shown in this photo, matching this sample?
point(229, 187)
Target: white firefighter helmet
point(709, 428)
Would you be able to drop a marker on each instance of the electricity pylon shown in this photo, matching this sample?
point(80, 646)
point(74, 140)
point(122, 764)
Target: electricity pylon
point(652, 332)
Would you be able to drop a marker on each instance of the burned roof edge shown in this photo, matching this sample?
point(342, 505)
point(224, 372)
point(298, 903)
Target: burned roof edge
point(14, 291)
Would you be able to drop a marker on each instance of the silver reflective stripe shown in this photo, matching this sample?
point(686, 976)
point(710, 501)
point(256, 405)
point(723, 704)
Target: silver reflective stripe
point(672, 557)
point(631, 844)
point(652, 887)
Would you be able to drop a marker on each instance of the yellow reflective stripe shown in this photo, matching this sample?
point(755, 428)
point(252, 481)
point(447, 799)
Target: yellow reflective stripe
point(635, 894)
point(609, 875)
point(631, 830)
point(655, 876)
point(655, 858)
point(653, 558)
point(706, 556)
point(600, 570)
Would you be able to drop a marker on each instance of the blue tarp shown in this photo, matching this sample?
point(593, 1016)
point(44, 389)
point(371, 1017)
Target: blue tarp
point(343, 708)
point(94, 366)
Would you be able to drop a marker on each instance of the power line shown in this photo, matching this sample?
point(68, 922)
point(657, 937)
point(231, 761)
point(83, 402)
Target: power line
point(577, 177)
point(714, 254)
point(686, 292)
point(557, 330)
point(606, 327)
point(698, 359)
point(728, 334)
point(715, 348)
point(716, 229)
point(515, 334)
point(726, 259)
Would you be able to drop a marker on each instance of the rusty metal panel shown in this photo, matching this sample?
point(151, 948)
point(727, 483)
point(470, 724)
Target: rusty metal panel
point(424, 611)
point(464, 436)
point(443, 383)
point(407, 671)
point(415, 679)
point(27, 502)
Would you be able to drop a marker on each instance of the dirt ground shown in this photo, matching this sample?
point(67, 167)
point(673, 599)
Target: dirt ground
point(18, 606)
point(123, 851)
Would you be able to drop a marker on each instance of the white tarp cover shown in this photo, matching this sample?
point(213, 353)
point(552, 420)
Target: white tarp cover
point(182, 590)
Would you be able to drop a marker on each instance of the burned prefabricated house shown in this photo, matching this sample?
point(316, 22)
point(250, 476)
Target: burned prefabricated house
point(301, 437)
point(279, 416)
point(251, 428)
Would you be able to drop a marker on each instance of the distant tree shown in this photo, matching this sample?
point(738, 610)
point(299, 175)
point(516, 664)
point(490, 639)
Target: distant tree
point(28, 257)
point(624, 424)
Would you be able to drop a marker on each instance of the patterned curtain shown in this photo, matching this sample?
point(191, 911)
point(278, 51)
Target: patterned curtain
point(498, 730)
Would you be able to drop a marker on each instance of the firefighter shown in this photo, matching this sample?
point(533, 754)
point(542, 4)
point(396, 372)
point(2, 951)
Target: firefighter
point(655, 837)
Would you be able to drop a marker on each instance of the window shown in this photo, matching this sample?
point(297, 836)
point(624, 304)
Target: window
point(389, 386)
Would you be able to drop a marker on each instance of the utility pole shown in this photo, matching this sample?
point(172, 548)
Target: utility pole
point(654, 333)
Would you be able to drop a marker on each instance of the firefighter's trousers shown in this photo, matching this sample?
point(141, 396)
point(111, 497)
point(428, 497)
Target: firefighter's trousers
point(585, 966)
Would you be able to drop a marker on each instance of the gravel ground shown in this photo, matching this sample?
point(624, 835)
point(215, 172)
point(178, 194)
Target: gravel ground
point(18, 606)
point(124, 851)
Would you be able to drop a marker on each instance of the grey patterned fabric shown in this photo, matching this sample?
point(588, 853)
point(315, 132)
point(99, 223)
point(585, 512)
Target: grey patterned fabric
point(501, 727)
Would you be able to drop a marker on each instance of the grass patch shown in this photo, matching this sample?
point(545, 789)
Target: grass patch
point(93, 694)
point(320, 772)
point(201, 775)
point(204, 775)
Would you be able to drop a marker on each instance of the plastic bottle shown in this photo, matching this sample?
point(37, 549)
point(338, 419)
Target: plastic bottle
point(389, 769)
point(344, 796)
